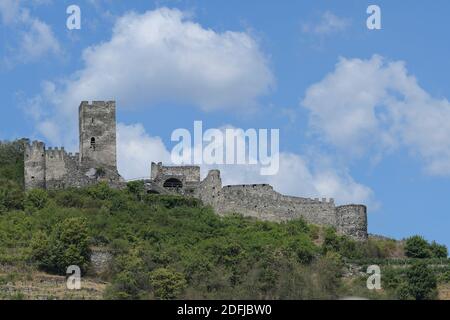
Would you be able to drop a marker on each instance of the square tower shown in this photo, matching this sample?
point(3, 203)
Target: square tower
point(98, 134)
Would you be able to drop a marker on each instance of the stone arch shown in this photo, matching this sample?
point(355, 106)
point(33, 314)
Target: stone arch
point(173, 183)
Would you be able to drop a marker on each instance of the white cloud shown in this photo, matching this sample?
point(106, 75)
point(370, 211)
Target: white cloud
point(136, 150)
point(329, 23)
point(35, 38)
point(37, 41)
point(163, 56)
point(301, 176)
point(376, 106)
point(9, 10)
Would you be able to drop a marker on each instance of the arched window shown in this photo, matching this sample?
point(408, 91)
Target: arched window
point(93, 143)
point(173, 183)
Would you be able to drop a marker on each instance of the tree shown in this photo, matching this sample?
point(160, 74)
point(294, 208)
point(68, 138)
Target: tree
point(438, 250)
point(417, 247)
point(421, 281)
point(11, 196)
point(167, 284)
point(68, 244)
point(136, 188)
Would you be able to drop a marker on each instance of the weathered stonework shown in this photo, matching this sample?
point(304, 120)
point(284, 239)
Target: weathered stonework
point(54, 168)
point(257, 200)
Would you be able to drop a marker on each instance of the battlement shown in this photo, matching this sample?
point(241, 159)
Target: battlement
point(97, 104)
point(323, 200)
point(249, 187)
point(35, 146)
point(55, 153)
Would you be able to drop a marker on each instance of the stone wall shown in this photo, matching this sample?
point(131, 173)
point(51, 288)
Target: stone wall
point(185, 173)
point(34, 165)
point(56, 169)
point(263, 202)
point(352, 221)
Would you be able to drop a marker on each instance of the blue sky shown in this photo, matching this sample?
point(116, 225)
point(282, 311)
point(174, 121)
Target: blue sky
point(363, 114)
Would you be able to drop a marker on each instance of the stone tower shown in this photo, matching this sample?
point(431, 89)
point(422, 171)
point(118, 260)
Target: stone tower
point(98, 134)
point(34, 165)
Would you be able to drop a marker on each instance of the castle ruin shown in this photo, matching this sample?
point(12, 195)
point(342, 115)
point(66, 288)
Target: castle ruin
point(54, 168)
point(96, 161)
point(260, 201)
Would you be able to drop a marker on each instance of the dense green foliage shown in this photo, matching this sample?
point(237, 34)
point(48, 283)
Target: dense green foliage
point(418, 281)
point(417, 247)
point(11, 161)
point(67, 244)
point(169, 247)
point(11, 176)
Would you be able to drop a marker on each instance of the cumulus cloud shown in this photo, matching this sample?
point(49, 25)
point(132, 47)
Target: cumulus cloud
point(329, 23)
point(376, 106)
point(301, 176)
point(164, 56)
point(136, 149)
point(35, 38)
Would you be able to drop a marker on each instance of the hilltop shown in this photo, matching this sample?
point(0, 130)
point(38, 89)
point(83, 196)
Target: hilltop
point(134, 245)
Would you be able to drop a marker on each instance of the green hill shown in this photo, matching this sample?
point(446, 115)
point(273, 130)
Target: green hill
point(131, 245)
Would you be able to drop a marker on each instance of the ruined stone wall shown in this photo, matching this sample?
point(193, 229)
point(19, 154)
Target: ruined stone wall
point(56, 169)
point(185, 173)
point(34, 165)
point(210, 189)
point(262, 202)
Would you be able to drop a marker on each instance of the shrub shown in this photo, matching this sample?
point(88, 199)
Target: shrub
point(101, 191)
point(137, 189)
point(11, 196)
point(422, 284)
point(11, 161)
point(438, 250)
point(130, 279)
point(36, 199)
point(166, 283)
point(417, 247)
point(303, 249)
point(331, 240)
point(69, 199)
point(68, 244)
